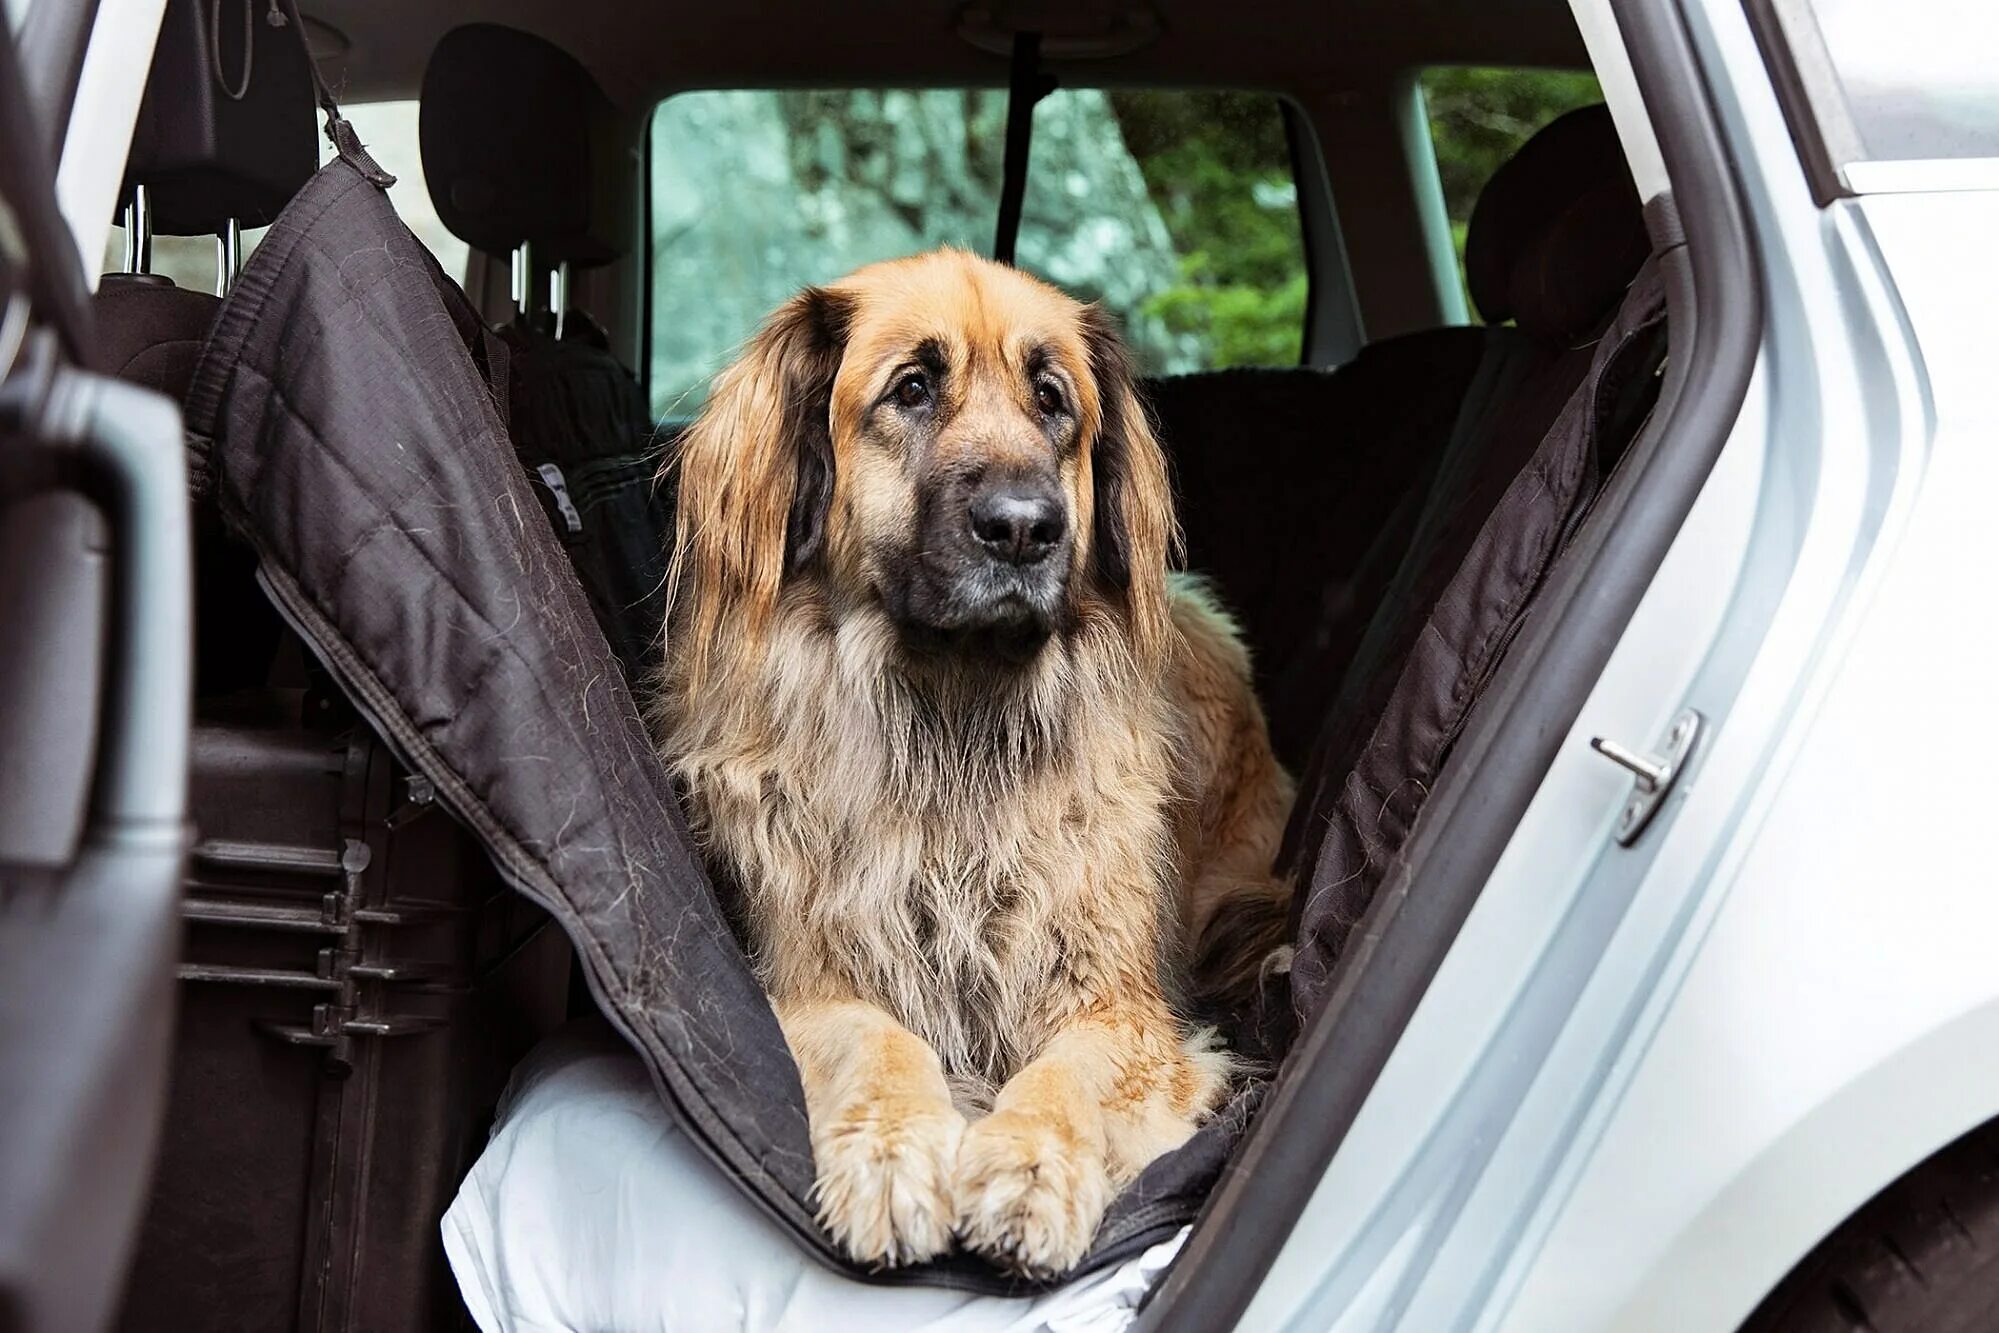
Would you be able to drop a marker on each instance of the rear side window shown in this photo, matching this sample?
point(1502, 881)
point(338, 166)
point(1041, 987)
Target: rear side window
point(1177, 210)
point(1479, 117)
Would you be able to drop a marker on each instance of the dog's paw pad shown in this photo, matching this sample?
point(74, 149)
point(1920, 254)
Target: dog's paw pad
point(1029, 1196)
point(884, 1187)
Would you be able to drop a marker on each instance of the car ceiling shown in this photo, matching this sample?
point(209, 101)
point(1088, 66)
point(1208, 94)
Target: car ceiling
point(376, 49)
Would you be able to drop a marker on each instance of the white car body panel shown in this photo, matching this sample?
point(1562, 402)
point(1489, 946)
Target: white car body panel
point(1838, 1021)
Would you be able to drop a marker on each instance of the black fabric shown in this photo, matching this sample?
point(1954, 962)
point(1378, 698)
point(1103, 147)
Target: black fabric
point(205, 154)
point(348, 399)
point(1558, 230)
point(150, 331)
point(582, 428)
point(1502, 506)
point(1284, 478)
point(519, 144)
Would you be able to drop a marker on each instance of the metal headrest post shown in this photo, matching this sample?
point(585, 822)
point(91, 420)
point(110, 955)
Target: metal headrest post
point(139, 231)
point(228, 256)
point(558, 294)
point(521, 270)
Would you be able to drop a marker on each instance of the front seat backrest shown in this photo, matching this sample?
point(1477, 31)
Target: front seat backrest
point(213, 143)
point(522, 149)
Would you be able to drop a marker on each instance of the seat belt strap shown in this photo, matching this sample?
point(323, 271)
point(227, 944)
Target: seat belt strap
point(1026, 86)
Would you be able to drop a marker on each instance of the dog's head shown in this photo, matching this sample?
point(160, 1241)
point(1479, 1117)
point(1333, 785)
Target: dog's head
point(942, 441)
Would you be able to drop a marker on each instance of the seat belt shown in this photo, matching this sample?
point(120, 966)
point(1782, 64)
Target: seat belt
point(1026, 86)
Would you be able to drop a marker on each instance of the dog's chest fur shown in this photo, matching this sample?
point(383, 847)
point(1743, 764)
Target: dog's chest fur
point(930, 853)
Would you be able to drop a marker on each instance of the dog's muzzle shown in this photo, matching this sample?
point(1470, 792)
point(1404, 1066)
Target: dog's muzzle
point(992, 573)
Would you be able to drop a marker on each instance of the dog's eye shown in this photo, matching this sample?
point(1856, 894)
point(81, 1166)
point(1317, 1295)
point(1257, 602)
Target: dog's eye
point(1049, 395)
point(913, 389)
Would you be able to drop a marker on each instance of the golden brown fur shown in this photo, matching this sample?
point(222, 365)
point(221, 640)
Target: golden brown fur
point(969, 871)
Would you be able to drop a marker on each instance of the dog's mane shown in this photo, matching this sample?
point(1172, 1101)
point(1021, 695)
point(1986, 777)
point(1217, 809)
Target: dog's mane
point(838, 775)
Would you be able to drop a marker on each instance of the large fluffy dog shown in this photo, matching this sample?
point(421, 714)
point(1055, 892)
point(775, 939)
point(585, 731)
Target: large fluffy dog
point(982, 772)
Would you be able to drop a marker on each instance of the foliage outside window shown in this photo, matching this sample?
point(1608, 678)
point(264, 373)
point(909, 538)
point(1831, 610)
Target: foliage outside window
point(1175, 210)
point(1480, 117)
point(1218, 168)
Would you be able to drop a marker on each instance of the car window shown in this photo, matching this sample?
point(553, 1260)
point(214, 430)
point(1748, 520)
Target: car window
point(1479, 117)
point(1920, 78)
point(389, 131)
point(1177, 210)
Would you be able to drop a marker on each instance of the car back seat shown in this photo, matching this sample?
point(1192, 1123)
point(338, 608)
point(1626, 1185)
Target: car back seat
point(521, 148)
point(1300, 489)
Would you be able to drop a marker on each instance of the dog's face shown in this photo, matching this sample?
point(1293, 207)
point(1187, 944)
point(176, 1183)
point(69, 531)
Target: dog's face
point(961, 498)
point(942, 441)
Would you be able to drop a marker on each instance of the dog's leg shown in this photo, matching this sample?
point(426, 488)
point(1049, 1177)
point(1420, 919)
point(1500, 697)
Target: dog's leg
point(1115, 1087)
point(884, 1132)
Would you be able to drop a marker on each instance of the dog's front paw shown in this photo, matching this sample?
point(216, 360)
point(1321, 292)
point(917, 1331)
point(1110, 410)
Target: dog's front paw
point(885, 1182)
point(1030, 1193)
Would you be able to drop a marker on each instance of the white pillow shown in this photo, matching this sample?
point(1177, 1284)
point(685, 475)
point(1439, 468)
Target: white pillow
point(590, 1213)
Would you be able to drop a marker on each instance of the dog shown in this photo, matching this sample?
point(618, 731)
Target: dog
point(983, 773)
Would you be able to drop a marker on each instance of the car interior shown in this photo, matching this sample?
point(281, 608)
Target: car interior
point(1381, 490)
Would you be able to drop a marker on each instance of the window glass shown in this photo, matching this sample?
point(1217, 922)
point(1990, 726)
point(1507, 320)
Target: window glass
point(1176, 210)
point(1920, 78)
point(389, 131)
point(1479, 117)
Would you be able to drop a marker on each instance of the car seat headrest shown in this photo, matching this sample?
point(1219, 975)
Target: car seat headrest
point(228, 127)
point(1559, 231)
point(519, 145)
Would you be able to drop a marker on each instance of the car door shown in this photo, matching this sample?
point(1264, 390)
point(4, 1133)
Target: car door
point(95, 660)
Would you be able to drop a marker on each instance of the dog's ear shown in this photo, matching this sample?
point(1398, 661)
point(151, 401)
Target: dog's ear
point(755, 475)
point(1135, 534)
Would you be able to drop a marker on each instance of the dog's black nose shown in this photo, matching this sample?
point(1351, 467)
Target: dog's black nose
point(1019, 522)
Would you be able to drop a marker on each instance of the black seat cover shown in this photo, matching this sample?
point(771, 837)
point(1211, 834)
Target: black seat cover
point(1285, 478)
